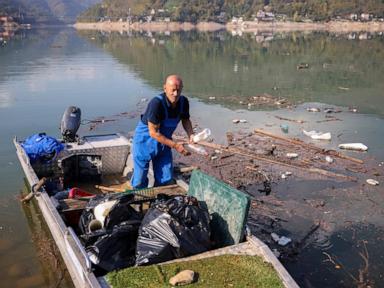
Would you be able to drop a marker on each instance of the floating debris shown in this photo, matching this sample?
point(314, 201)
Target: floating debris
point(292, 155)
point(282, 241)
point(284, 128)
point(203, 135)
point(243, 121)
point(372, 182)
point(236, 121)
point(329, 159)
point(212, 98)
point(286, 174)
point(353, 146)
point(197, 149)
point(318, 135)
point(302, 66)
point(275, 237)
point(313, 109)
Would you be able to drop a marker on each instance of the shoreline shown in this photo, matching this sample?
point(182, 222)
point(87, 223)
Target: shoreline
point(246, 26)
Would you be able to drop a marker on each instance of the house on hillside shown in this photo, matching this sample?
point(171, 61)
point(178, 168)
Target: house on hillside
point(353, 17)
point(366, 17)
point(264, 16)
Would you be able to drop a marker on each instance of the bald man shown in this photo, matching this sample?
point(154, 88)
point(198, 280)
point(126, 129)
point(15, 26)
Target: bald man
point(153, 135)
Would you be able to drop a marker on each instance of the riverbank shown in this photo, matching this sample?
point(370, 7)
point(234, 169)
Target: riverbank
point(332, 26)
point(245, 26)
point(150, 26)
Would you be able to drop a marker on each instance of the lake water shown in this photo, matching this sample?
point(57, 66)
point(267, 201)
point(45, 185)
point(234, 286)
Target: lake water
point(44, 71)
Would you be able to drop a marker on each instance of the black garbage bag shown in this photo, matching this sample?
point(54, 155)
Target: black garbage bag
point(115, 250)
point(121, 211)
point(173, 227)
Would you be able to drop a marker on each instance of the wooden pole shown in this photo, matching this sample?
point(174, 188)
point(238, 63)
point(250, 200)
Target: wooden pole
point(306, 145)
point(158, 188)
point(34, 189)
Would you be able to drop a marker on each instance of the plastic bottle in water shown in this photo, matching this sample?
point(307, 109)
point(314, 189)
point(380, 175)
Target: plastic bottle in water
point(197, 149)
point(202, 135)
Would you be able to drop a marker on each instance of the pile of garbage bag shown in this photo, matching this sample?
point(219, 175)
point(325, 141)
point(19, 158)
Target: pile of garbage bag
point(173, 227)
point(109, 228)
point(116, 235)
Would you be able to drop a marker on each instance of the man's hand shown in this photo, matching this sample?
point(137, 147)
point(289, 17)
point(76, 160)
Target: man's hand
point(180, 148)
point(191, 138)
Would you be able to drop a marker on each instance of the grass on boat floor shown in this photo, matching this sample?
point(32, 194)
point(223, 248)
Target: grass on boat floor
point(220, 271)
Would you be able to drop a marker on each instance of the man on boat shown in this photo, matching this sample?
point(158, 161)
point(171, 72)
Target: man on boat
point(153, 135)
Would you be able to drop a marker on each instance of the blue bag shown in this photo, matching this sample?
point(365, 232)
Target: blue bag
point(43, 148)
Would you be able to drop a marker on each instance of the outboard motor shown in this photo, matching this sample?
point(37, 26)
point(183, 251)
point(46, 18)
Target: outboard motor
point(70, 123)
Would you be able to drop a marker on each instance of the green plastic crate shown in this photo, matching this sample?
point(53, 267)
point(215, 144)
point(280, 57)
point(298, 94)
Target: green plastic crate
point(228, 207)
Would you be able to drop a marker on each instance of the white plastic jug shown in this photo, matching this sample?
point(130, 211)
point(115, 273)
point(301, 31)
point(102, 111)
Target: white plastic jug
point(353, 146)
point(203, 135)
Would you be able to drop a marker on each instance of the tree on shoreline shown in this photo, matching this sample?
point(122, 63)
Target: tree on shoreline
point(223, 10)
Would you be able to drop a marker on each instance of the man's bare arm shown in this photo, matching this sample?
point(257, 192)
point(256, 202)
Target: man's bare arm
point(187, 125)
point(154, 132)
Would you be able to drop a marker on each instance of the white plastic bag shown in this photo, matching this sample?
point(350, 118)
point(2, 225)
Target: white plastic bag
point(318, 135)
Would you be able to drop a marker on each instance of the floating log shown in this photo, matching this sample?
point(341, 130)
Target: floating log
point(291, 120)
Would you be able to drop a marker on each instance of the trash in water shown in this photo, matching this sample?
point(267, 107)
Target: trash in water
point(282, 241)
point(212, 98)
point(275, 237)
point(353, 146)
point(243, 121)
point(284, 128)
point(203, 135)
point(214, 157)
point(372, 182)
point(292, 155)
point(286, 174)
point(329, 159)
point(276, 253)
point(236, 121)
point(197, 149)
point(313, 109)
point(318, 135)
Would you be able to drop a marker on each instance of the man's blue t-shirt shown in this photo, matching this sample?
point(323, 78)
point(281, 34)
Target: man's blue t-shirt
point(155, 110)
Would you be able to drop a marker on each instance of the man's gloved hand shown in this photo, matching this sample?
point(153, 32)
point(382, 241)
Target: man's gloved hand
point(180, 148)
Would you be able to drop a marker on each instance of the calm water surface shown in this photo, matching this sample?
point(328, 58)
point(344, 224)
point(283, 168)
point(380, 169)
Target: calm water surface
point(44, 71)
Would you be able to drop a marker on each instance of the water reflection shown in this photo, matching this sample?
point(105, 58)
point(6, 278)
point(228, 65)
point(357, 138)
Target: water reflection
point(340, 71)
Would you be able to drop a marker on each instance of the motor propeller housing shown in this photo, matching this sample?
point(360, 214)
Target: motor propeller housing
point(70, 123)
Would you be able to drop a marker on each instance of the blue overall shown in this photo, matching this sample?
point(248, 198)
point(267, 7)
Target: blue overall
point(145, 149)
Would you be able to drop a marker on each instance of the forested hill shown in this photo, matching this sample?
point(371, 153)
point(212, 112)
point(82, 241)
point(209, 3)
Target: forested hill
point(45, 11)
point(224, 10)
